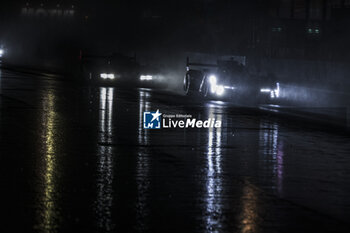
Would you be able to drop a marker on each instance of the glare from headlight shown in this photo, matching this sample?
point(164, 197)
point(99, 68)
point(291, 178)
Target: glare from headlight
point(265, 90)
point(146, 77)
point(212, 79)
point(213, 88)
point(1, 52)
point(217, 89)
point(277, 90)
point(212, 82)
point(220, 90)
point(111, 76)
point(272, 94)
point(107, 76)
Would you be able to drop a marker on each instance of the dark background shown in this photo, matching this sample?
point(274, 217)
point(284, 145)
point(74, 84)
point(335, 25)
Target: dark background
point(303, 29)
point(302, 42)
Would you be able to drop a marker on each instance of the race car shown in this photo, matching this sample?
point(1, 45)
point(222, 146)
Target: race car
point(229, 79)
point(109, 69)
point(121, 70)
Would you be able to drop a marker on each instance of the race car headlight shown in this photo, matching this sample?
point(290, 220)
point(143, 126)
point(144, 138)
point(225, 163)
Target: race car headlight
point(277, 90)
point(146, 77)
point(215, 88)
point(212, 79)
point(274, 92)
point(104, 76)
point(220, 90)
point(110, 76)
point(107, 76)
point(265, 90)
point(212, 82)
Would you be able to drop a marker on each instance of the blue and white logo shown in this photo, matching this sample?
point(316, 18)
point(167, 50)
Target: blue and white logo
point(151, 120)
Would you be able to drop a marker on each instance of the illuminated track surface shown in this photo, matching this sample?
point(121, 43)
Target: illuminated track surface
point(79, 160)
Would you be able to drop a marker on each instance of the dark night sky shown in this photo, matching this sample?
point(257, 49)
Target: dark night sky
point(196, 25)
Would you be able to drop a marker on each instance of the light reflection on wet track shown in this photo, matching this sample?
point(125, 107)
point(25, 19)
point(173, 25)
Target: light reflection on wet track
point(213, 176)
point(142, 167)
point(49, 215)
point(98, 170)
point(105, 176)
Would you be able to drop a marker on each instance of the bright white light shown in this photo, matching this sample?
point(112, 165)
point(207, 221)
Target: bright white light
point(107, 76)
point(146, 77)
point(220, 90)
point(228, 87)
point(111, 76)
point(213, 88)
point(1, 52)
point(265, 90)
point(217, 89)
point(277, 90)
point(272, 94)
point(212, 79)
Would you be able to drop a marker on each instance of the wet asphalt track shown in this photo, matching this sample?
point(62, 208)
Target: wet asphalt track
point(78, 160)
